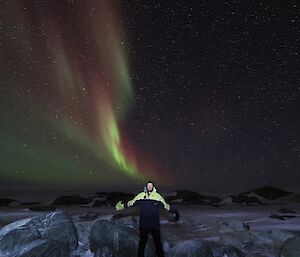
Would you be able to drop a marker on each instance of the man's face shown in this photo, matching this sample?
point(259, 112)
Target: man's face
point(150, 187)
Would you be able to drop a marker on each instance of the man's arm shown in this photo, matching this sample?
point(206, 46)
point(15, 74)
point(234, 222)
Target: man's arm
point(166, 206)
point(121, 206)
point(169, 208)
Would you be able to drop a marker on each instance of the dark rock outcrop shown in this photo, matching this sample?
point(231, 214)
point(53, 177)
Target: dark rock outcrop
point(48, 235)
point(281, 217)
point(285, 210)
point(270, 193)
point(116, 238)
point(291, 248)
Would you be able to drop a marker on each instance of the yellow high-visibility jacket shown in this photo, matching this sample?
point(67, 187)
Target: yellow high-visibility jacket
point(149, 204)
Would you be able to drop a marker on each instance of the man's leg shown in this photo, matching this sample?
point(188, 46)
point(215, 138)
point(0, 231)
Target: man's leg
point(142, 242)
point(157, 242)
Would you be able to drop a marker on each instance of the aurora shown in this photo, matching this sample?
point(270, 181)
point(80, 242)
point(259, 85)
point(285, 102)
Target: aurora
point(81, 96)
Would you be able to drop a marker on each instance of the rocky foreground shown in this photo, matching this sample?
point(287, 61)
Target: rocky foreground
point(75, 226)
point(200, 233)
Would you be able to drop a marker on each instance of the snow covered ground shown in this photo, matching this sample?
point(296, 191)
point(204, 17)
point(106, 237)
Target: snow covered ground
point(249, 228)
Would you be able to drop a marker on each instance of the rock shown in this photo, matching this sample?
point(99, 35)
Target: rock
point(191, 248)
point(121, 240)
point(282, 217)
point(33, 249)
point(295, 198)
point(110, 198)
point(245, 199)
point(248, 244)
point(236, 225)
point(91, 215)
point(288, 216)
point(227, 251)
point(101, 194)
point(279, 235)
point(114, 197)
point(70, 200)
point(99, 203)
point(190, 197)
point(103, 252)
point(6, 201)
point(48, 235)
point(83, 232)
point(291, 248)
point(276, 216)
point(241, 239)
point(184, 196)
point(211, 200)
point(270, 193)
point(285, 210)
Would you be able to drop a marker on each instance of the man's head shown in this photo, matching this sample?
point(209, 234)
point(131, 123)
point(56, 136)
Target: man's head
point(150, 186)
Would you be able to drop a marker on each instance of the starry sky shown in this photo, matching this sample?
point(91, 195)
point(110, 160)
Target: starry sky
point(201, 95)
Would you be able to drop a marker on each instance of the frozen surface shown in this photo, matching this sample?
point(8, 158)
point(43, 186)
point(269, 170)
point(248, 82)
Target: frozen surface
point(216, 225)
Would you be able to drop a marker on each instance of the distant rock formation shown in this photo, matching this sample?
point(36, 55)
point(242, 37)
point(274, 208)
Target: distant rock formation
point(268, 192)
point(71, 200)
point(243, 199)
point(190, 197)
point(6, 201)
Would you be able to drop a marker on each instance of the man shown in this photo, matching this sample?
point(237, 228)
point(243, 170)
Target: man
point(149, 202)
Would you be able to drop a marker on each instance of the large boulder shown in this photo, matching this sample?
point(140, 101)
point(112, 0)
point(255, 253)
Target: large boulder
point(191, 248)
point(48, 235)
point(114, 237)
point(291, 248)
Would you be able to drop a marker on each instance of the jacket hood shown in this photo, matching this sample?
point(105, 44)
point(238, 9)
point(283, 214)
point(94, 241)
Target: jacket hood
point(153, 191)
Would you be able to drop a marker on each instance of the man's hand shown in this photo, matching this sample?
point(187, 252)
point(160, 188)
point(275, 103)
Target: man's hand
point(175, 213)
point(119, 206)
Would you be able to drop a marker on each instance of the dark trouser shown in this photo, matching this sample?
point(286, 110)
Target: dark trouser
point(156, 238)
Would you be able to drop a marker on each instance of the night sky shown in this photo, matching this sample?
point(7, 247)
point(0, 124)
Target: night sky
point(201, 95)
